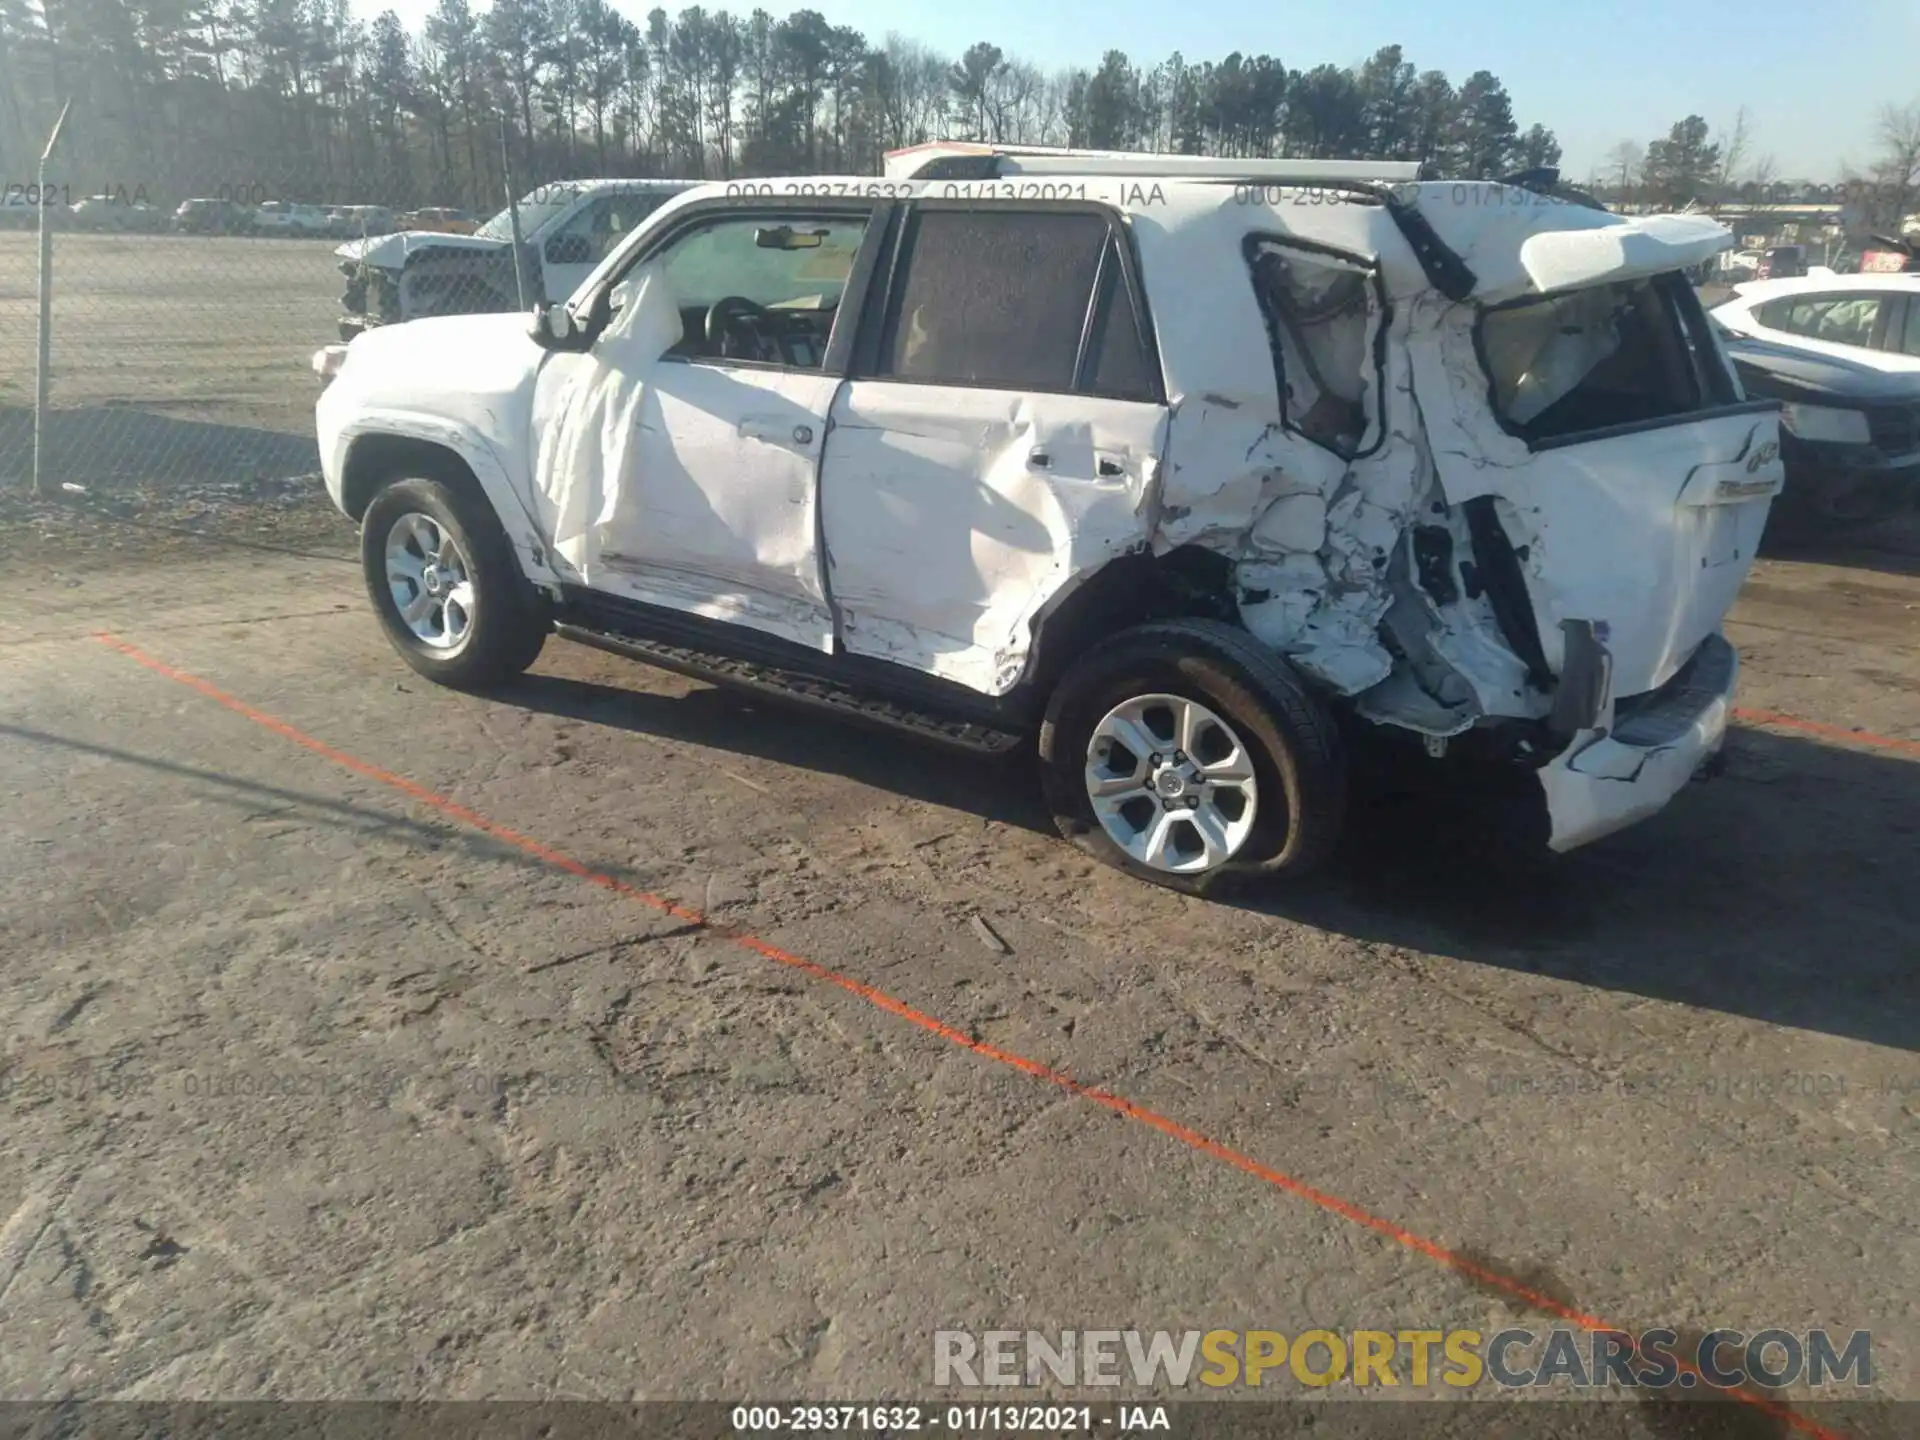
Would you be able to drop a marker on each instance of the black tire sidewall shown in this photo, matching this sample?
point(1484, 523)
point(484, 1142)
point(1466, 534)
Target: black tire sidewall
point(498, 644)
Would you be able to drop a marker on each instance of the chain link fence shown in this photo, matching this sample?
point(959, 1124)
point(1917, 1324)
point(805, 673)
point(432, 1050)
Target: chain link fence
point(186, 310)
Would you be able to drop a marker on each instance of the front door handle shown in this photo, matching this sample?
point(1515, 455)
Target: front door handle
point(775, 430)
point(1110, 468)
point(1040, 460)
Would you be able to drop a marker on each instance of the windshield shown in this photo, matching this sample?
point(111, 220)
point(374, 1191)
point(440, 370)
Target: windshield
point(536, 209)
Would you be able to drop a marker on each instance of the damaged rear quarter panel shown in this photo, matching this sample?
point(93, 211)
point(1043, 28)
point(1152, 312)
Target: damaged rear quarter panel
point(1319, 541)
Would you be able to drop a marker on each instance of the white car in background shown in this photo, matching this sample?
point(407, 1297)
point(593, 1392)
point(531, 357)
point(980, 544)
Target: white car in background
point(282, 217)
point(1843, 353)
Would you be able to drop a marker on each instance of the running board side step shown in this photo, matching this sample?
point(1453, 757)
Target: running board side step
point(811, 691)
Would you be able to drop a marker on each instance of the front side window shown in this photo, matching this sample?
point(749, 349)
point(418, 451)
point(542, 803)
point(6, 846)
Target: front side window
point(1321, 319)
point(1591, 359)
point(764, 289)
point(995, 298)
point(1910, 342)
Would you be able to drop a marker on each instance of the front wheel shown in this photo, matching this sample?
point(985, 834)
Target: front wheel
point(445, 584)
point(1188, 754)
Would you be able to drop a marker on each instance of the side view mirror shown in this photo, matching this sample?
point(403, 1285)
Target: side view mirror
point(551, 326)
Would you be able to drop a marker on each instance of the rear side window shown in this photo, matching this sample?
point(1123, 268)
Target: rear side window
point(1910, 341)
point(1591, 359)
point(1837, 319)
point(994, 298)
point(1321, 321)
point(1117, 361)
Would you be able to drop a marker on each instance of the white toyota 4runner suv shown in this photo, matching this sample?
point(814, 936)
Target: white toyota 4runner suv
point(1204, 478)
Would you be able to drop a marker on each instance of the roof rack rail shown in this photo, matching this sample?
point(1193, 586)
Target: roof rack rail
point(963, 160)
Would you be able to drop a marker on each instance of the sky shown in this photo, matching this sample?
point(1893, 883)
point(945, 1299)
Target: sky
point(1812, 75)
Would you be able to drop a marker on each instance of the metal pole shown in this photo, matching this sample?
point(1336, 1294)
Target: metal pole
point(43, 363)
point(513, 215)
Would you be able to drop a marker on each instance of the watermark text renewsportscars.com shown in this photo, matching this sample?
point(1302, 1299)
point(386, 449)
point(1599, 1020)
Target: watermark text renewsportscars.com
point(1519, 1358)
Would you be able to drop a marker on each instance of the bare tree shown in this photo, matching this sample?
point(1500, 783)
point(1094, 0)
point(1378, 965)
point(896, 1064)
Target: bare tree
point(1623, 166)
point(1896, 168)
point(1734, 145)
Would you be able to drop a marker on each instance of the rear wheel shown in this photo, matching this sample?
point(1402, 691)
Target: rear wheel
point(446, 586)
point(1188, 754)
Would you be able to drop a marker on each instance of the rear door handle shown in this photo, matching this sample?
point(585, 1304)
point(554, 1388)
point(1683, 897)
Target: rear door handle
point(1040, 460)
point(1110, 468)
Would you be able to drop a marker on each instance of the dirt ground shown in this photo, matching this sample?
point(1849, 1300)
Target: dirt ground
point(315, 1087)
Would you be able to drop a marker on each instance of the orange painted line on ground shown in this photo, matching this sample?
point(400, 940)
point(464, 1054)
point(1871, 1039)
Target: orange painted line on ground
point(1194, 1140)
point(1830, 732)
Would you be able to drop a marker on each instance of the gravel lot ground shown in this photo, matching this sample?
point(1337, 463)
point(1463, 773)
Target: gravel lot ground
point(312, 1088)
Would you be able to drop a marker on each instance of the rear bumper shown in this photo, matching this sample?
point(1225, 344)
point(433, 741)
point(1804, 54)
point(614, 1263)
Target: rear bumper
point(1617, 775)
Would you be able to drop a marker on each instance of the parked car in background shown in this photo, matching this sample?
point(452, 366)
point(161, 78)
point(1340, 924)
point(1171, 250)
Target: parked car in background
point(116, 213)
point(1135, 462)
point(1782, 262)
point(283, 217)
point(1890, 255)
point(568, 227)
point(1736, 266)
point(439, 219)
point(349, 220)
point(212, 217)
point(1843, 352)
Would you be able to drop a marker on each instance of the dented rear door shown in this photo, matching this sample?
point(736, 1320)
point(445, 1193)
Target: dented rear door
point(998, 441)
point(1600, 442)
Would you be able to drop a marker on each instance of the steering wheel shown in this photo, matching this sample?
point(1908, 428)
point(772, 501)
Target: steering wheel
point(728, 309)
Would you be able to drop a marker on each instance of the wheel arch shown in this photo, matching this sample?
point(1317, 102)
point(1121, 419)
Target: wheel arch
point(1190, 582)
point(391, 449)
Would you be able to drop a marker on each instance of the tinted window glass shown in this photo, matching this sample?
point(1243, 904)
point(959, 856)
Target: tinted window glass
point(1589, 359)
point(1911, 343)
point(1837, 319)
point(1119, 358)
point(993, 298)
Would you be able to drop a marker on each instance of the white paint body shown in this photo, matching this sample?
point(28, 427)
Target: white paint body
point(912, 523)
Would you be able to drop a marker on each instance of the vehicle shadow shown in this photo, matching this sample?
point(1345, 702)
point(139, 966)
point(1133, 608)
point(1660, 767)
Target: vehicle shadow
point(1891, 547)
point(108, 444)
point(1784, 891)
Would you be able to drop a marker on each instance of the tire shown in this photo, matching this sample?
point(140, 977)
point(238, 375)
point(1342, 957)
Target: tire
point(501, 620)
point(1299, 774)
